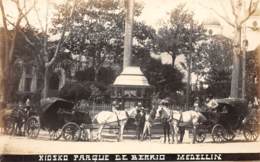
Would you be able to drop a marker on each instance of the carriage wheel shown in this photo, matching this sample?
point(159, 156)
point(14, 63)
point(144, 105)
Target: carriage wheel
point(71, 132)
point(200, 136)
point(9, 126)
point(250, 130)
point(229, 135)
point(32, 127)
point(217, 133)
point(55, 134)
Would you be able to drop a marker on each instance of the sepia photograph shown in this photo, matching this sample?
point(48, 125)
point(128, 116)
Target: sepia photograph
point(129, 80)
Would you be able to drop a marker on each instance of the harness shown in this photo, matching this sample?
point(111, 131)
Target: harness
point(179, 121)
point(118, 120)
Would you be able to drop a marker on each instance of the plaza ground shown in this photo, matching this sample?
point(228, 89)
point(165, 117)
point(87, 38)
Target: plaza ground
point(42, 145)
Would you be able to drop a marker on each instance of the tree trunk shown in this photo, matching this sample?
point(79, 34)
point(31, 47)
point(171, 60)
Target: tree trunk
point(258, 74)
point(2, 62)
point(45, 91)
point(244, 73)
point(236, 66)
point(96, 70)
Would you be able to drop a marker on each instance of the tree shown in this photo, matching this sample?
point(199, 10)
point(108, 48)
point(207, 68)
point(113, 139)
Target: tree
point(213, 64)
point(240, 16)
point(180, 35)
point(165, 79)
point(50, 59)
point(75, 91)
point(174, 36)
point(48, 56)
point(97, 33)
point(8, 44)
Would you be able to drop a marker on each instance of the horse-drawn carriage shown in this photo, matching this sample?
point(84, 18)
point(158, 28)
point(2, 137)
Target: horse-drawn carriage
point(14, 119)
point(231, 115)
point(60, 118)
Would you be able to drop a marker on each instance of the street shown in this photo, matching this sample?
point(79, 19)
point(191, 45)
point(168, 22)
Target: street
point(42, 145)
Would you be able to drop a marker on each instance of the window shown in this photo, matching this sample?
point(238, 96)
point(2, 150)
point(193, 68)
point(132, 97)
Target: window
point(130, 93)
point(28, 82)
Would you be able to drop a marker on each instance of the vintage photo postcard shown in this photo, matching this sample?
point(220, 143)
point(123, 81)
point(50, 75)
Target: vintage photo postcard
point(129, 80)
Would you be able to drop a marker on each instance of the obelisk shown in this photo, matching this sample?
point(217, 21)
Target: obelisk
point(128, 40)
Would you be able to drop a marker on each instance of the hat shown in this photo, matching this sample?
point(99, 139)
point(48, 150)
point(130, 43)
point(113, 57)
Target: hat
point(164, 101)
point(114, 103)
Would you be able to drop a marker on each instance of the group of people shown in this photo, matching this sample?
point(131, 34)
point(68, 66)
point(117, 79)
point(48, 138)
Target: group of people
point(143, 120)
point(210, 103)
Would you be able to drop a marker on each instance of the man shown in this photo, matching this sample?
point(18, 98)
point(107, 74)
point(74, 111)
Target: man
point(114, 106)
point(196, 105)
point(165, 120)
point(137, 121)
point(212, 104)
point(147, 125)
point(139, 118)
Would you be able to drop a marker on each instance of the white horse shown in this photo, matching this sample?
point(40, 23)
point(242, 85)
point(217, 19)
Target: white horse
point(179, 120)
point(117, 118)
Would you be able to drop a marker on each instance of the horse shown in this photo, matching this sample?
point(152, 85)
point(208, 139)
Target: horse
point(116, 118)
point(178, 120)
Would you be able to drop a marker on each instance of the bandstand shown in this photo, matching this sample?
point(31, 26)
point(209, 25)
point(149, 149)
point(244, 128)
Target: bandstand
point(131, 87)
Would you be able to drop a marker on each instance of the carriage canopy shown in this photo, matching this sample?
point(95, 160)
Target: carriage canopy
point(49, 112)
point(52, 104)
point(233, 105)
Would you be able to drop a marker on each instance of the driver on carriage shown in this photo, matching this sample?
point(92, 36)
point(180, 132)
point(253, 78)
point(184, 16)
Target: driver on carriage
point(211, 103)
point(196, 105)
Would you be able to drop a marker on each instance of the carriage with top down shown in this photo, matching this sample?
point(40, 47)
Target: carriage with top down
point(224, 122)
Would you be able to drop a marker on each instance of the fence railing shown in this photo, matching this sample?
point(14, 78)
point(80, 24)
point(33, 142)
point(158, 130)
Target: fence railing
point(95, 108)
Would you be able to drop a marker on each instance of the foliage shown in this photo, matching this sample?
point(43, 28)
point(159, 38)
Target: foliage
point(97, 33)
point(93, 91)
point(165, 79)
point(180, 34)
point(75, 91)
point(213, 63)
point(106, 75)
point(251, 75)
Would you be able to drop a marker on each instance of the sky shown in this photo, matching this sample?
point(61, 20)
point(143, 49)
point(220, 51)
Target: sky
point(153, 13)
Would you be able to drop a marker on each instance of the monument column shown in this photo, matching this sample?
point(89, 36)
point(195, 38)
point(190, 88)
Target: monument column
point(128, 40)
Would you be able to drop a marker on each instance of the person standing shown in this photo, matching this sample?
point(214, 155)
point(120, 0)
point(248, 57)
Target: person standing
point(142, 120)
point(139, 120)
point(114, 106)
point(147, 126)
